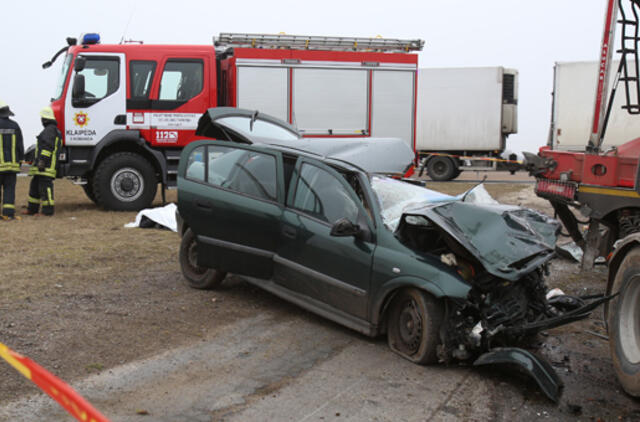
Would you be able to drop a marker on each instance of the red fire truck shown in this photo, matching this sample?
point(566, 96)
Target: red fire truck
point(126, 110)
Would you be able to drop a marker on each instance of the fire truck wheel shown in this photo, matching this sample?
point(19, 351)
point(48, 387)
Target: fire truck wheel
point(88, 190)
point(194, 275)
point(441, 168)
point(125, 181)
point(624, 323)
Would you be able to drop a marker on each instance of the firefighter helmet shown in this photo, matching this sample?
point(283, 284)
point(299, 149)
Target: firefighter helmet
point(5, 111)
point(47, 113)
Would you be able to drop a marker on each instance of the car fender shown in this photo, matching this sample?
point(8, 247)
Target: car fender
point(624, 245)
point(456, 288)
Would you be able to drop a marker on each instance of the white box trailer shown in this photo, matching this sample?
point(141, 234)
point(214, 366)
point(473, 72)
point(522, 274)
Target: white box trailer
point(574, 91)
point(464, 112)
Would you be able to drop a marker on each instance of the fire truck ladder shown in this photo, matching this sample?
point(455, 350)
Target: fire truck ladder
point(310, 42)
point(629, 70)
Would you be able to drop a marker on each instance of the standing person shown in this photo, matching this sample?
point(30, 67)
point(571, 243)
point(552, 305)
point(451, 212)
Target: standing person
point(43, 168)
point(11, 154)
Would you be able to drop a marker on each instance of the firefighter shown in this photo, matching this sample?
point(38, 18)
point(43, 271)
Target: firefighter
point(44, 164)
point(11, 154)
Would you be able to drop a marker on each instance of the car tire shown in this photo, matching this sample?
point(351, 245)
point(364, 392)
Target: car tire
point(125, 181)
point(413, 326)
point(195, 276)
point(624, 323)
point(441, 168)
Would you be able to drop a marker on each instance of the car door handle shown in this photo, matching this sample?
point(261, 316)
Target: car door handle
point(204, 205)
point(289, 232)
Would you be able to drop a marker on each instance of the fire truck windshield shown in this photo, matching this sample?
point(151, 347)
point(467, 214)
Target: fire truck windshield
point(63, 76)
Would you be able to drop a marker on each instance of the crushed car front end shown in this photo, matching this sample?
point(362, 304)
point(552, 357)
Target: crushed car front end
point(502, 253)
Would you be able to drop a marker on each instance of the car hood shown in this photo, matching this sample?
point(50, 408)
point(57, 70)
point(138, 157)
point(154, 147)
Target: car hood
point(509, 241)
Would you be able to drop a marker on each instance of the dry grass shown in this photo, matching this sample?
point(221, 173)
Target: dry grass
point(82, 245)
point(497, 190)
point(79, 246)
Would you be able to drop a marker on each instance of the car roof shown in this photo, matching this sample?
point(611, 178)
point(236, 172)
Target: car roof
point(371, 155)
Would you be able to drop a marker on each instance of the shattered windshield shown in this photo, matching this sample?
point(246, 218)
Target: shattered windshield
point(395, 196)
point(63, 76)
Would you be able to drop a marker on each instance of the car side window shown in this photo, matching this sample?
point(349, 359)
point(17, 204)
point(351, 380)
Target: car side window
point(195, 165)
point(321, 195)
point(248, 172)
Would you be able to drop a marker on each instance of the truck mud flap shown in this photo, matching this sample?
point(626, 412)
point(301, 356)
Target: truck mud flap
point(540, 370)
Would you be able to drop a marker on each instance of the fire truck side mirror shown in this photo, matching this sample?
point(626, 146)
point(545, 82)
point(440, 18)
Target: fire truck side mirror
point(78, 86)
point(80, 63)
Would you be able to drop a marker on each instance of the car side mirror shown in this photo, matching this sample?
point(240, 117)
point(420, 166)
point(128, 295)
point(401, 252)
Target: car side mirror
point(80, 63)
point(345, 228)
point(78, 86)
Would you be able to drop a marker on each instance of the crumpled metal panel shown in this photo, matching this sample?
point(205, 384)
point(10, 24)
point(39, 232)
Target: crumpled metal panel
point(539, 369)
point(509, 241)
point(502, 237)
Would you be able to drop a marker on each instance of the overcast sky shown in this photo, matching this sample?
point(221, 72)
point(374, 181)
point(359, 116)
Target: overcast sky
point(522, 34)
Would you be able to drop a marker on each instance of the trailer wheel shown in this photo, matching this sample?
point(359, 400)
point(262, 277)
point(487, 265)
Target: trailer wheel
point(125, 181)
point(441, 168)
point(624, 323)
point(413, 326)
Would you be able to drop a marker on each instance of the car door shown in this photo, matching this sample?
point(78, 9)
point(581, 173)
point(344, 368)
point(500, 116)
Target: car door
point(310, 261)
point(232, 198)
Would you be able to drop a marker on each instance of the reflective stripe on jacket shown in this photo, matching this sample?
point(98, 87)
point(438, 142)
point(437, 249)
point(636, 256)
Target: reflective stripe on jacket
point(11, 146)
point(49, 142)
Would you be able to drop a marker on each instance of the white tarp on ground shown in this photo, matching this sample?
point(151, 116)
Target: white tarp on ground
point(163, 216)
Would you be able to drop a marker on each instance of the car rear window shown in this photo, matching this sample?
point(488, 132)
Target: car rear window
point(248, 172)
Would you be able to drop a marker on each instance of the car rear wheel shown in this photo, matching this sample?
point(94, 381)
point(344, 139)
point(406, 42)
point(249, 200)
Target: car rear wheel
point(624, 323)
point(413, 326)
point(194, 275)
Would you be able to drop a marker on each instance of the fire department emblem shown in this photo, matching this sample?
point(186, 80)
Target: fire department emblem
point(81, 119)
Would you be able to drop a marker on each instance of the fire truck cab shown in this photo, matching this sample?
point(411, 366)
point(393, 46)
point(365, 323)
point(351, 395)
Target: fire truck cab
point(126, 110)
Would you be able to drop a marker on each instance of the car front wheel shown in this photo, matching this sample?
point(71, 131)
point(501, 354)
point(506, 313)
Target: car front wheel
point(194, 275)
point(413, 325)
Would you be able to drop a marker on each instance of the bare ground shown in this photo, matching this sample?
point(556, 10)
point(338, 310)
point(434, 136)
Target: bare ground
point(80, 294)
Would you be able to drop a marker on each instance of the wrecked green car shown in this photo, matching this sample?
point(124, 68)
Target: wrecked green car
point(315, 223)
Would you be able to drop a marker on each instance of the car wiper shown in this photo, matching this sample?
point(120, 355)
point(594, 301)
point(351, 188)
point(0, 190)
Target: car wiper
point(469, 191)
point(254, 116)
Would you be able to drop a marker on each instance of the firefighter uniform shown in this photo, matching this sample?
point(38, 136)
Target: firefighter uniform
point(11, 154)
point(43, 169)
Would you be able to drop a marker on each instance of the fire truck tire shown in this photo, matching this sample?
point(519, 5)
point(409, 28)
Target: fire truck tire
point(441, 168)
point(194, 275)
point(88, 190)
point(624, 323)
point(125, 181)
